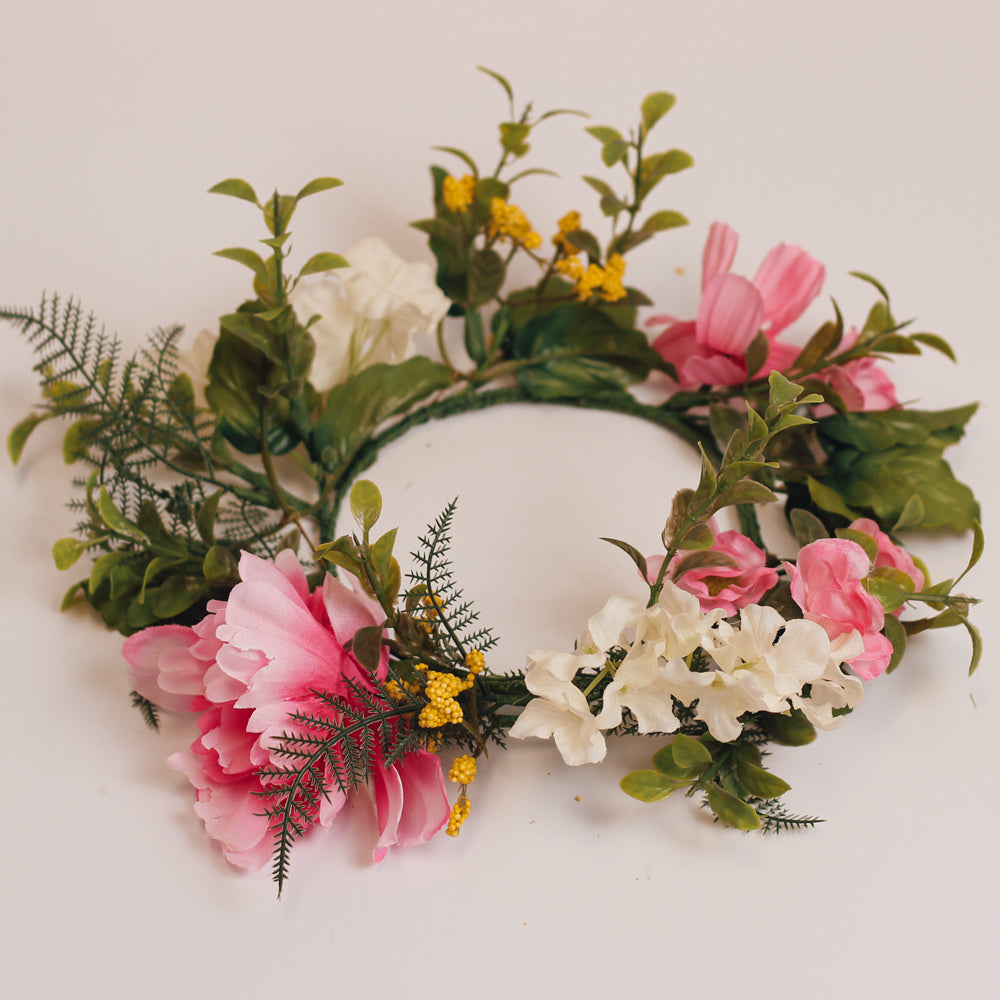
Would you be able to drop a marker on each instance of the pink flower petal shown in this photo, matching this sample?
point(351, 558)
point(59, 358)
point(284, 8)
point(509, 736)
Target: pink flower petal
point(788, 280)
point(719, 253)
point(163, 669)
point(730, 314)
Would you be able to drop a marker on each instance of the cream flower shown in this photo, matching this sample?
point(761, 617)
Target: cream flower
point(561, 711)
point(368, 312)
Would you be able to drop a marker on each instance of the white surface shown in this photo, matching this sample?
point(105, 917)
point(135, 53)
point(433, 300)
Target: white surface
point(864, 131)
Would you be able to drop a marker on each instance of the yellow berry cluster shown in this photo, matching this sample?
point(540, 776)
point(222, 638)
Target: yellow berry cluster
point(567, 224)
point(509, 221)
point(398, 691)
point(463, 771)
point(459, 814)
point(441, 691)
point(475, 661)
point(607, 280)
point(458, 192)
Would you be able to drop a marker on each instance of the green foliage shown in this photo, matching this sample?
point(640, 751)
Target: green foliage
point(337, 744)
point(435, 599)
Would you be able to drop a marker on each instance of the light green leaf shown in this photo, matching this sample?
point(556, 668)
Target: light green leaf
point(648, 786)
point(663, 760)
point(689, 752)
point(896, 634)
point(912, 515)
point(20, 433)
point(366, 504)
point(937, 343)
point(732, 811)
point(114, 518)
point(760, 782)
point(321, 262)
point(235, 188)
point(248, 258)
point(499, 79)
point(604, 134)
point(860, 538)
point(66, 551)
point(317, 185)
point(655, 106)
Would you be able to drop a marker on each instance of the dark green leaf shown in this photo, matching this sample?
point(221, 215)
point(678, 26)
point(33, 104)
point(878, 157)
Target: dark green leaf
point(703, 559)
point(791, 730)
point(896, 634)
point(463, 156)
point(205, 518)
point(820, 345)
point(807, 526)
point(663, 760)
point(487, 272)
point(633, 553)
point(220, 567)
point(258, 333)
point(177, 594)
point(586, 242)
point(936, 342)
point(367, 646)
point(828, 499)
point(757, 352)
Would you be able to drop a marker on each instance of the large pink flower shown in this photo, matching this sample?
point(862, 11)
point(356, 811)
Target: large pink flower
point(826, 585)
point(711, 349)
point(254, 660)
point(889, 553)
point(726, 588)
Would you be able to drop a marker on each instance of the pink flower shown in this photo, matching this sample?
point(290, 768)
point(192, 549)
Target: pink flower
point(863, 384)
point(710, 350)
point(826, 585)
point(889, 553)
point(725, 588)
point(252, 662)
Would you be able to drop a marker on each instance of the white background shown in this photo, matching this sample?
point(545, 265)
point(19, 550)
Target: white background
point(864, 131)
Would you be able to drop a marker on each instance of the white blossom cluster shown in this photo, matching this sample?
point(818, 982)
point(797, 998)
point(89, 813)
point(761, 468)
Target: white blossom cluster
point(763, 664)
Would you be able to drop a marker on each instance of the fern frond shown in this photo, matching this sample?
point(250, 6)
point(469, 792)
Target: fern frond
point(363, 729)
point(149, 711)
point(438, 600)
point(776, 818)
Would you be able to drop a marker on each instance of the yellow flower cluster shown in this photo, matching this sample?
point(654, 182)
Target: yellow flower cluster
point(475, 661)
point(567, 224)
point(458, 192)
point(607, 280)
point(398, 691)
point(509, 221)
point(463, 771)
point(459, 814)
point(441, 691)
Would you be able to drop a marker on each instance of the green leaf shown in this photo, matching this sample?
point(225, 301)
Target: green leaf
point(648, 786)
point(978, 546)
point(367, 646)
point(603, 134)
point(698, 536)
point(886, 480)
point(827, 499)
point(513, 136)
point(760, 782)
point(176, 595)
point(977, 645)
point(614, 151)
point(756, 354)
point(689, 752)
point(366, 504)
point(732, 811)
point(220, 567)
point(317, 185)
point(499, 79)
point(601, 187)
point(703, 559)
point(871, 281)
point(663, 760)
point(791, 730)
point(807, 526)
point(896, 634)
point(114, 518)
point(820, 345)
point(659, 221)
point(586, 242)
point(205, 518)
point(235, 188)
point(258, 333)
point(77, 439)
point(912, 515)
point(20, 433)
point(743, 491)
point(633, 553)
point(937, 343)
point(579, 351)
point(358, 405)
point(889, 593)
point(463, 156)
point(248, 258)
point(66, 551)
point(654, 168)
point(894, 343)
point(655, 106)
point(321, 262)
point(487, 272)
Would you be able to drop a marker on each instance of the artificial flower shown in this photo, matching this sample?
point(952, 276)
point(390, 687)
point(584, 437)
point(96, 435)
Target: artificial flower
point(560, 710)
point(252, 662)
point(827, 586)
point(863, 384)
point(889, 553)
point(369, 312)
point(724, 588)
point(711, 349)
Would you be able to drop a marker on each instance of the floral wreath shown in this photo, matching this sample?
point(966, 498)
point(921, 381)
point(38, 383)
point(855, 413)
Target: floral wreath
point(315, 671)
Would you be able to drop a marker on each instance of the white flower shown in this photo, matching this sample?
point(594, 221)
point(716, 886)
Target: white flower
point(834, 689)
point(561, 711)
point(369, 311)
